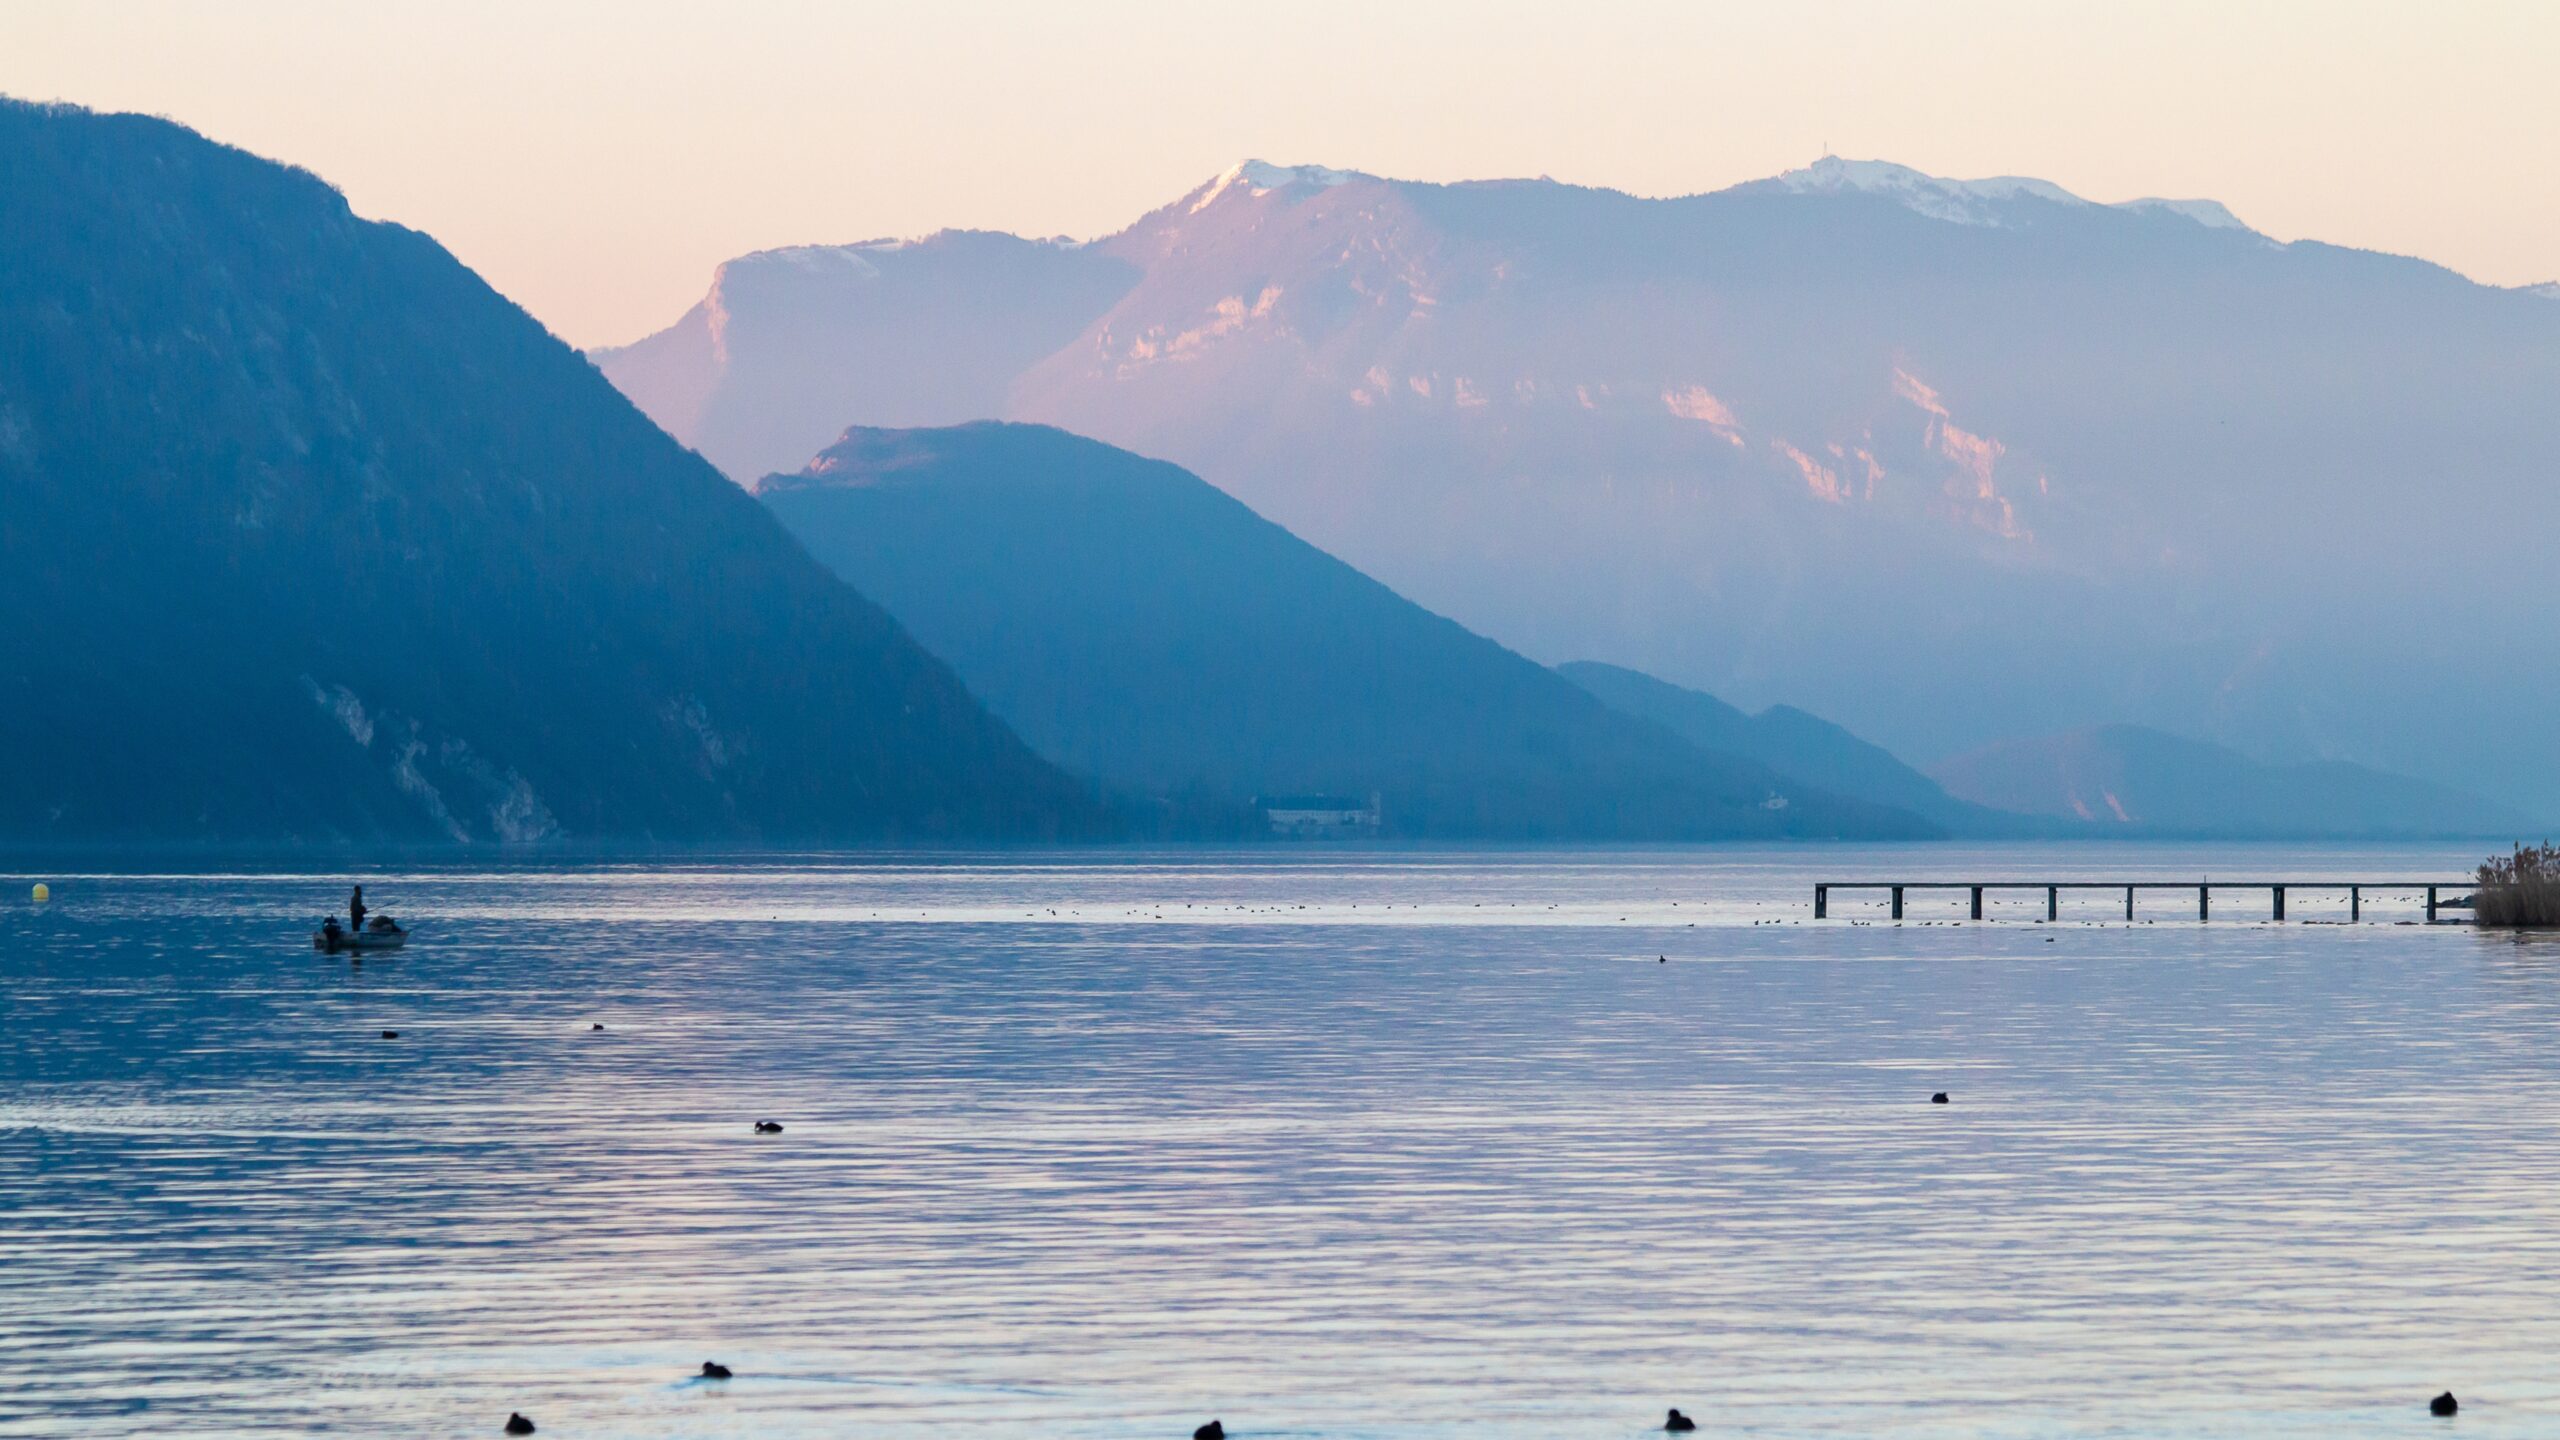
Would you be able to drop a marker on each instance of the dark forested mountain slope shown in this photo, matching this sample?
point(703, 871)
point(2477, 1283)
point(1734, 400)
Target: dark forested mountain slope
point(308, 535)
point(1138, 625)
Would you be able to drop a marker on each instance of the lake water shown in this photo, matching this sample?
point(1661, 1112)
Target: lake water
point(1322, 1143)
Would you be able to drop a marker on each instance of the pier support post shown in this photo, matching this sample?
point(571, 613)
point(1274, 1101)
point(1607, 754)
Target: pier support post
point(2278, 894)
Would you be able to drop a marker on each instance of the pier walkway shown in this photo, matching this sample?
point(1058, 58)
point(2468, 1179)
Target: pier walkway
point(2440, 895)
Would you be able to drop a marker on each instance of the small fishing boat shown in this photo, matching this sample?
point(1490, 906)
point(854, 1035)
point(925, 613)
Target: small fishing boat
point(379, 933)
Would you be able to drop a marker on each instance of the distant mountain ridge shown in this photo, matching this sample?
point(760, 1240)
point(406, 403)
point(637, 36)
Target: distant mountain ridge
point(1805, 748)
point(2130, 780)
point(1141, 628)
point(308, 537)
point(1970, 202)
point(1939, 460)
point(938, 328)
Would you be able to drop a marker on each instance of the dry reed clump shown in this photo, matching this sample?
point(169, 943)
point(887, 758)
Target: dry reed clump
point(2520, 889)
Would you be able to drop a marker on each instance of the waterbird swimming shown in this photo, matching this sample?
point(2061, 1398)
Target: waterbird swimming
point(518, 1425)
point(768, 1127)
point(1679, 1423)
point(390, 1034)
point(2443, 1404)
point(714, 1370)
point(1938, 1099)
point(1211, 1431)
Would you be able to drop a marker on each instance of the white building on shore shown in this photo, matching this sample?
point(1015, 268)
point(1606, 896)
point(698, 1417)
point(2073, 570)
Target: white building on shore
point(1319, 817)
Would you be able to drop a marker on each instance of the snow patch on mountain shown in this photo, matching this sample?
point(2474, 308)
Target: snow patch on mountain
point(1258, 177)
point(1225, 318)
point(1919, 392)
point(855, 258)
point(1989, 202)
point(1961, 202)
point(1819, 478)
point(817, 258)
point(1698, 403)
point(1972, 487)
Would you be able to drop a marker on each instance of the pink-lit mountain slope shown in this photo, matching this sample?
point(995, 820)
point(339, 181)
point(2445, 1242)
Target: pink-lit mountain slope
point(1939, 460)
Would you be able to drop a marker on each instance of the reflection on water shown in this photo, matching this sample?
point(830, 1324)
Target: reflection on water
point(1320, 1145)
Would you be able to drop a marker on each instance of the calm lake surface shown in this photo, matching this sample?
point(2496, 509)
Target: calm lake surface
point(1320, 1142)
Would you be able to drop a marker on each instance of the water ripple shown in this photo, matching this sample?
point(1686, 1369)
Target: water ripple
point(1324, 1145)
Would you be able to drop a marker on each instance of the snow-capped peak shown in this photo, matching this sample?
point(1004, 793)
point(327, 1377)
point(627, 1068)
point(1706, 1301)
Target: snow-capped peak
point(1973, 202)
point(821, 257)
point(1259, 177)
point(1963, 202)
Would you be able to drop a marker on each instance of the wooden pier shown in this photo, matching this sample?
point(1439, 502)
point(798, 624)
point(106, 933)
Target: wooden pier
point(2440, 895)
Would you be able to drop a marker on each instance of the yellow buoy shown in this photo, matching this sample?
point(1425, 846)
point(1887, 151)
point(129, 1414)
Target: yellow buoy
point(44, 892)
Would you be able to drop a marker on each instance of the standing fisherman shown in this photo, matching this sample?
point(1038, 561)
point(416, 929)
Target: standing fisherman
point(355, 910)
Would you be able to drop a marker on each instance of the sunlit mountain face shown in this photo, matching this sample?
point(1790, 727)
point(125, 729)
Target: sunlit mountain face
point(1943, 460)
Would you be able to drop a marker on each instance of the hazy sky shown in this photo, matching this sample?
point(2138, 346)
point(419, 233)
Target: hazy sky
point(595, 160)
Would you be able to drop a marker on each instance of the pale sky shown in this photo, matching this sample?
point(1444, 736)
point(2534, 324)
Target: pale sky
point(594, 160)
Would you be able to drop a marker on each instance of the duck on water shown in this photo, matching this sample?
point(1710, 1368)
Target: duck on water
point(383, 933)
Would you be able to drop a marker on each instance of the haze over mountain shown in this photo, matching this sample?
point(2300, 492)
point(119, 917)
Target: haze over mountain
point(1138, 626)
point(1805, 748)
point(2126, 779)
point(937, 328)
point(308, 535)
point(1939, 460)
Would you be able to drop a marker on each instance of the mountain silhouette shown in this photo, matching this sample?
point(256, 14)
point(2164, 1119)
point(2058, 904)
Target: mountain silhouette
point(1142, 628)
point(311, 537)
